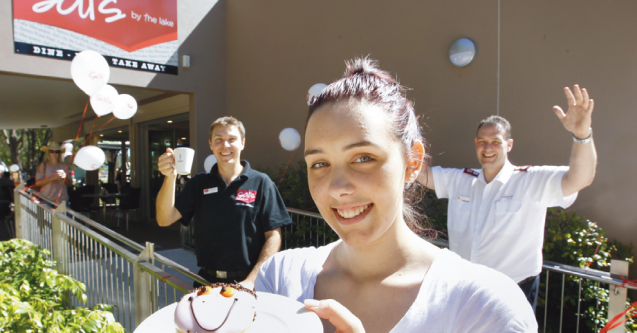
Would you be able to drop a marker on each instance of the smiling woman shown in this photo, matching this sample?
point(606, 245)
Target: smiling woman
point(364, 149)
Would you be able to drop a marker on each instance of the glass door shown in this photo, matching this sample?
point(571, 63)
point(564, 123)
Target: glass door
point(158, 141)
point(156, 136)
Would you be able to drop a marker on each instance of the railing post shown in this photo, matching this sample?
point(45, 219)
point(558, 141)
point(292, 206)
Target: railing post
point(617, 294)
point(143, 288)
point(58, 238)
point(17, 197)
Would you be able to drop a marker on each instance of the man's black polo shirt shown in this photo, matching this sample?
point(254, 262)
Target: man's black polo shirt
point(231, 221)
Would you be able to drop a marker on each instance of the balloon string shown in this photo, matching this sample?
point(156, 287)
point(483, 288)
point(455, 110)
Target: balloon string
point(79, 129)
point(616, 322)
point(286, 168)
point(82, 122)
point(588, 264)
point(39, 181)
point(625, 282)
point(91, 134)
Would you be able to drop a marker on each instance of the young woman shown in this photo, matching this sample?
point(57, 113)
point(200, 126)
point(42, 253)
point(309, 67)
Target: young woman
point(51, 174)
point(364, 149)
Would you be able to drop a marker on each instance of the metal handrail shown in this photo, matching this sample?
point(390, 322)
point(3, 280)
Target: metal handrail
point(106, 231)
point(112, 245)
point(587, 273)
point(305, 213)
point(591, 274)
point(158, 257)
point(126, 241)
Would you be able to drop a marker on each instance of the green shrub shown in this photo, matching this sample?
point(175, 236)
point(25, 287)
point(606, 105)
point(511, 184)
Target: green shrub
point(435, 211)
point(574, 240)
point(34, 297)
point(292, 184)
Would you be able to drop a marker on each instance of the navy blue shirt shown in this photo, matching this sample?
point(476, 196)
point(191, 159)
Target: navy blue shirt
point(231, 220)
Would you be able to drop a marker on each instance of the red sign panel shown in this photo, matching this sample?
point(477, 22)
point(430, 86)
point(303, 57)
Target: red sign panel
point(246, 196)
point(134, 34)
point(127, 24)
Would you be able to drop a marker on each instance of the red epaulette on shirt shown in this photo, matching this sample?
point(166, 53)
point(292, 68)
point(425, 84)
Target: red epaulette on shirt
point(523, 168)
point(471, 172)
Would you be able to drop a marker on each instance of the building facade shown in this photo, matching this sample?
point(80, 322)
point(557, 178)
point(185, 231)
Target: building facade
point(256, 61)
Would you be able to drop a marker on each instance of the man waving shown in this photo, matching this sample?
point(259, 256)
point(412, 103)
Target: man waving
point(496, 214)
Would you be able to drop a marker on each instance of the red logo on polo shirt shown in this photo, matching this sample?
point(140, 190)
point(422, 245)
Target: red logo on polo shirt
point(246, 196)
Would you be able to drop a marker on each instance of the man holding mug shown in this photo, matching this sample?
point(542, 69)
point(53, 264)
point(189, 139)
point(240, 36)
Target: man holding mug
point(238, 212)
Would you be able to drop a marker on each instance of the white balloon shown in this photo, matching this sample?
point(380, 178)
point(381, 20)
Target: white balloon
point(90, 71)
point(315, 91)
point(290, 139)
point(14, 168)
point(103, 102)
point(68, 151)
point(125, 106)
point(90, 158)
point(209, 162)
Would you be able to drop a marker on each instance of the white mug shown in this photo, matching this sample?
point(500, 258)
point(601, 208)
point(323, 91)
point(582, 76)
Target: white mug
point(183, 160)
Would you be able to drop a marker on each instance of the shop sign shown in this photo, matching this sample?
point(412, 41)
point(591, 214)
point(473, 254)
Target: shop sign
point(134, 34)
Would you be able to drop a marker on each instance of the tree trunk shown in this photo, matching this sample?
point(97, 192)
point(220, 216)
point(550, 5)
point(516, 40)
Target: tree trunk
point(13, 141)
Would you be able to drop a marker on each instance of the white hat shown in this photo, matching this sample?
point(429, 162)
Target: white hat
point(52, 145)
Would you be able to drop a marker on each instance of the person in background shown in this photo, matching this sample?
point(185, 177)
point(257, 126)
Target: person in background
point(51, 174)
point(7, 183)
point(496, 214)
point(6, 193)
point(238, 212)
point(364, 150)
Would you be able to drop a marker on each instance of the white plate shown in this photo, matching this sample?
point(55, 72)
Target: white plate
point(275, 314)
point(280, 314)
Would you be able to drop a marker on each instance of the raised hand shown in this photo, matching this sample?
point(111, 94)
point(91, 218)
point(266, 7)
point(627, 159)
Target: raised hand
point(166, 163)
point(578, 118)
point(343, 320)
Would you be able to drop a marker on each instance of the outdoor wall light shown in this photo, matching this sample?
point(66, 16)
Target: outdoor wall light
point(170, 121)
point(462, 52)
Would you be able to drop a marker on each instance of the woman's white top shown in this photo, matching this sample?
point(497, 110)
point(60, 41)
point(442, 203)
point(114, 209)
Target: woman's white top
point(455, 295)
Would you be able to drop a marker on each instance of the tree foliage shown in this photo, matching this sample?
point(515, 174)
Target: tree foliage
point(34, 297)
point(22, 147)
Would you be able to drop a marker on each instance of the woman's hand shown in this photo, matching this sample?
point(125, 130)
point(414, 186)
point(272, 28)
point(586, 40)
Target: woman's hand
point(337, 314)
point(60, 174)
